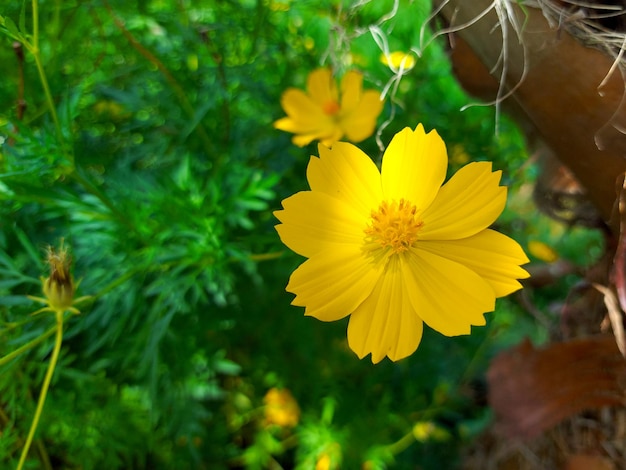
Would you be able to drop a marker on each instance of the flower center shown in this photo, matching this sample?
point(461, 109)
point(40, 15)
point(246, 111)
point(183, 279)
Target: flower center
point(394, 225)
point(331, 108)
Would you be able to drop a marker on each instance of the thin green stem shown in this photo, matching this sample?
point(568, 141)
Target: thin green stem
point(44, 80)
point(36, 24)
point(12, 325)
point(25, 347)
point(402, 444)
point(44, 388)
point(49, 100)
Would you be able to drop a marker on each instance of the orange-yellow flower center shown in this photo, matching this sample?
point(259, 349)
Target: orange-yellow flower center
point(331, 108)
point(394, 225)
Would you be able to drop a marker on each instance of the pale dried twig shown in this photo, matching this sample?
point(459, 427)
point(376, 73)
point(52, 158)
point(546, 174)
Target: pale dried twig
point(615, 316)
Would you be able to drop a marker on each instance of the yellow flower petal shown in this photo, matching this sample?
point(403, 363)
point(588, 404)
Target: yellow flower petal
point(465, 205)
point(304, 135)
point(306, 119)
point(361, 122)
point(326, 136)
point(448, 296)
point(303, 111)
point(351, 90)
point(332, 138)
point(492, 255)
point(290, 125)
point(321, 86)
point(306, 139)
point(314, 221)
point(333, 284)
point(414, 167)
point(386, 324)
point(345, 172)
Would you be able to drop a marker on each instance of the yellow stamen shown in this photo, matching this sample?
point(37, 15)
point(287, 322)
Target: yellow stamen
point(394, 225)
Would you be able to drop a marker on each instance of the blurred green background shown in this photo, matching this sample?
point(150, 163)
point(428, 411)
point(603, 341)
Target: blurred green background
point(160, 169)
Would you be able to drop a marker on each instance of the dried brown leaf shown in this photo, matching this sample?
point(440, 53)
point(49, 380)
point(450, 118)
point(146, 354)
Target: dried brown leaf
point(588, 462)
point(532, 390)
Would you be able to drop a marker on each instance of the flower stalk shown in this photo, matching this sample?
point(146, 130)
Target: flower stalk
point(44, 388)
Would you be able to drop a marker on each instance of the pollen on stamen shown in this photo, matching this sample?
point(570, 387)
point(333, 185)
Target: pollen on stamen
point(394, 225)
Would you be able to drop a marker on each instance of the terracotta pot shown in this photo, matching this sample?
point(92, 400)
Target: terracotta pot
point(556, 95)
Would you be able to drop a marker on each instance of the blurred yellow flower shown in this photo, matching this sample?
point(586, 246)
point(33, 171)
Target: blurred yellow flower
point(281, 408)
point(326, 115)
point(394, 248)
point(542, 252)
point(398, 60)
point(323, 462)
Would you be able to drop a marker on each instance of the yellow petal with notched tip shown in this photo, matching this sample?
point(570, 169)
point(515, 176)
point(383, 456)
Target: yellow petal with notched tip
point(492, 255)
point(468, 203)
point(414, 167)
point(386, 324)
point(346, 173)
point(448, 296)
point(313, 222)
point(333, 284)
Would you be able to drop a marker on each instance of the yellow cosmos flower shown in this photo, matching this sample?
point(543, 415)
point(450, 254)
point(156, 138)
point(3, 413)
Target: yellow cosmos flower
point(394, 248)
point(326, 115)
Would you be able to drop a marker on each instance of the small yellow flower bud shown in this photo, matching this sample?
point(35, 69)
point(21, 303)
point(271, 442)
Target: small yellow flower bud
point(281, 408)
point(59, 287)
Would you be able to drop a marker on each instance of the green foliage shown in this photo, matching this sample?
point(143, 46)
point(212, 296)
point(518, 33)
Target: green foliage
point(140, 133)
